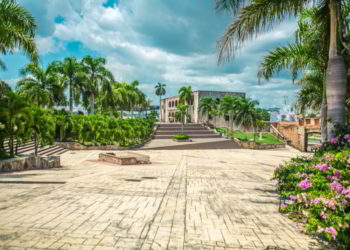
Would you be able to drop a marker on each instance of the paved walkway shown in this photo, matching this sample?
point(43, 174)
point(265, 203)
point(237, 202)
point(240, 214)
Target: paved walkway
point(194, 144)
point(212, 199)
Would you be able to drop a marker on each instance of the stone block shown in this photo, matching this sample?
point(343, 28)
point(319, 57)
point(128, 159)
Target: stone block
point(127, 158)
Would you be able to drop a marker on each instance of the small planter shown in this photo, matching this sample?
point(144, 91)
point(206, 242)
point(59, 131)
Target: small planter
point(182, 140)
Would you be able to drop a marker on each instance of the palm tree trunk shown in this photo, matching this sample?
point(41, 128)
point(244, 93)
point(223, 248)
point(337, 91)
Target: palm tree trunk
point(11, 146)
point(336, 76)
point(324, 114)
point(160, 108)
point(70, 95)
point(35, 146)
point(93, 104)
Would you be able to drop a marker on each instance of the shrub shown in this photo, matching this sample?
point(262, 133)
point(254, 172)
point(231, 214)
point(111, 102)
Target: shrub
point(104, 130)
point(316, 192)
point(338, 143)
point(181, 137)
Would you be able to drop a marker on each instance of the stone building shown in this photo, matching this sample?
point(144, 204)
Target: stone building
point(168, 107)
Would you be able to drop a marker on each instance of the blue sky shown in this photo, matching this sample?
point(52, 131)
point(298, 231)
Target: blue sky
point(173, 42)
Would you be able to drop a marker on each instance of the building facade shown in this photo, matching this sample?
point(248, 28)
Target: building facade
point(168, 107)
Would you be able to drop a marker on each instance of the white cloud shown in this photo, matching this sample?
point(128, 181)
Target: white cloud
point(165, 41)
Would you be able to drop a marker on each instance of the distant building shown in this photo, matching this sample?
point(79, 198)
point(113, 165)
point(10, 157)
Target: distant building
point(168, 107)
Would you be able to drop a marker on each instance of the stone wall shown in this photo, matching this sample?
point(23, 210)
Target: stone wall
point(293, 132)
point(254, 145)
point(30, 163)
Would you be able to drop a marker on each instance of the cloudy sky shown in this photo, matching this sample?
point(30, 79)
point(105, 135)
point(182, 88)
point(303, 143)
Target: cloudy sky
point(173, 42)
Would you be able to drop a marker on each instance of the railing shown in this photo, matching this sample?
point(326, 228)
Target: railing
point(277, 133)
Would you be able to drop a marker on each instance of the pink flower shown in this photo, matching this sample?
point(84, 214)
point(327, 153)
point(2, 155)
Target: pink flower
point(332, 231)
point(322, 167)
point(284, 205)
point(337, 174)
point(333, 140)
point(347, 137)
point(305, 184)
point(332, 204)
point(346, 191)
point(348, 196)
point(315, 201)
point(337, 187)
point(324, 216)
point(344, 202)
point(292, 197)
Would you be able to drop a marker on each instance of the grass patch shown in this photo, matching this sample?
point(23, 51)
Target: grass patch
point(242, 136)
point(181, 137)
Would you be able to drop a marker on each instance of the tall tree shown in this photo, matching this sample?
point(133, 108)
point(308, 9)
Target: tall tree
point(70, 69)
point(246, 114)
point(228, 106)
point(182, 113)
point(254, 17)
point(42, 86)
point(185, 94)
point(309, 51)
point(15, 115)
point(96, 77)
point(206, 106)
point(17, 29)
point(160, 91)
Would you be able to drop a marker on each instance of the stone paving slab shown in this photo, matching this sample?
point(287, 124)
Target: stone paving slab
point(212, 199)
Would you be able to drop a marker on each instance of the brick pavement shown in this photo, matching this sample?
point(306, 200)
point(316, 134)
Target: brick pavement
point(190, 199)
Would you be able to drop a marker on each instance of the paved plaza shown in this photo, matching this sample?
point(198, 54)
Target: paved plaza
point(185, 199)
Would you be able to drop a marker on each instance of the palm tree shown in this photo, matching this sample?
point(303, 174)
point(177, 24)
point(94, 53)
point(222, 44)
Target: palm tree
point(254, 17)
point(246, 114)
point(4, 87)
point(310, 95)
point(228, 106)
point(96, 77)
point(308, 52)
point(216, 113)
point(160, 91)
point(17, 29)
point(70, 70)
point(206, 106)
point(43, 128)
point(41, 86)
point(185, 94)
point(15, 115)
point(182, 113)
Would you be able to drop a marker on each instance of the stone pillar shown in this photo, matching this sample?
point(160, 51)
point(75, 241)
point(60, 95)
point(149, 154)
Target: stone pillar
point(302, 139)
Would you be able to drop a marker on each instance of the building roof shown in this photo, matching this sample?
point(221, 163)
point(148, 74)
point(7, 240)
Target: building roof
point(232, 92)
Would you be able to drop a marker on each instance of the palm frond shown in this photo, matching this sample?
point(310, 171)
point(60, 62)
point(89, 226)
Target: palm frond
point(253, 19)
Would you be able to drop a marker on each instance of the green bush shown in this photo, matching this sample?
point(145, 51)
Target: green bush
point(316, 192)
point(181, 137)
point(103, 130)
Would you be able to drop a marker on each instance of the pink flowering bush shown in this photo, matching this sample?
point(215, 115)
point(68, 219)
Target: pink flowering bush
point(316, 192)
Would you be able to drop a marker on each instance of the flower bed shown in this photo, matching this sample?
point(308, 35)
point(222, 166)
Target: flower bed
point(316, 190)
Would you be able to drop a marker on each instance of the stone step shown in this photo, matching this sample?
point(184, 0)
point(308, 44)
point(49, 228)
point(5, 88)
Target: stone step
point(191, 136)
point(58, 151)
point(188, 132)
point(179, 125)
point(179, 128)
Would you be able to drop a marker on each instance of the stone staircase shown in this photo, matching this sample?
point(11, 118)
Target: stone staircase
point(28, 148)
point(167, 131)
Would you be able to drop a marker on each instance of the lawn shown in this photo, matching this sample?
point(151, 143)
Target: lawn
point(266, 138)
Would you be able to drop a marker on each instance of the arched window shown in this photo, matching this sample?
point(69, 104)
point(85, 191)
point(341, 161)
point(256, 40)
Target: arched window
point(176, 103)
point(169, 104)
point(172, 104)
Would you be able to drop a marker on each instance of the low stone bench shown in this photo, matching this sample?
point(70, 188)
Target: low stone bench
point(124, 158)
